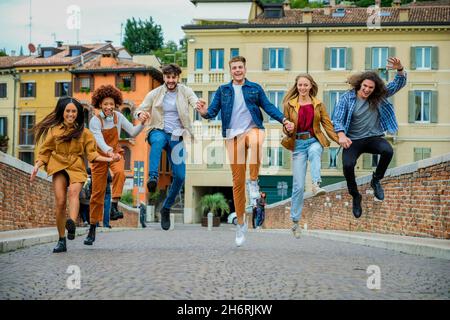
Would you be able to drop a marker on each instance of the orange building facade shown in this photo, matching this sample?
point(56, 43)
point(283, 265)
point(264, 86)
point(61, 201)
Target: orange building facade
point(134, 81)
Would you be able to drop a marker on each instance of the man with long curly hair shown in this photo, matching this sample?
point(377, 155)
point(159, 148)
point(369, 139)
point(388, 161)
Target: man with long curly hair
point(360, 119)
point(169, 108)
point(106, 127)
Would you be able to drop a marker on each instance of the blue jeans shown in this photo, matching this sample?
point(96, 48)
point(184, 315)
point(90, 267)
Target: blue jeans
point(305, 150)
point(159, 140)
point(107, 206)
point(260, 215)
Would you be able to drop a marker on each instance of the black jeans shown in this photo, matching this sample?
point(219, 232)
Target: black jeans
point(373, 145)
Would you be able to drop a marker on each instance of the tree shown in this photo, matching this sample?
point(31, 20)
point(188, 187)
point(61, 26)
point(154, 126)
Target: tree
point(142, 37)
point(3, 53)
point(171, 53)
point(21, 51)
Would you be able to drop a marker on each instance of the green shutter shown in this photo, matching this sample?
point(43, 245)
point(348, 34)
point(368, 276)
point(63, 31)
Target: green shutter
point(327, 59)
point(349, 61)
point(411, 107)
point(57, 94)
point(34, 90)
point(434, 58)
point(434, 107)
point(413, 58)
point(391, 52)
point(426, 153)
point(339, 159)
point(326, 101)
point(286, 159)
point(367, 161)
point(368, 61)
point(265, 62)
point(70, 89)
point(287, 59)
point(417, 154)
point(325, 161)
point(393, 162)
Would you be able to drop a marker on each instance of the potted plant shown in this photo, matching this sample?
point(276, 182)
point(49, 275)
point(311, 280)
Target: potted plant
point(4, 143)
point(215, 203)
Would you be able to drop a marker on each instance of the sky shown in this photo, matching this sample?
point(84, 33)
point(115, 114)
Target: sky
point(100, 20)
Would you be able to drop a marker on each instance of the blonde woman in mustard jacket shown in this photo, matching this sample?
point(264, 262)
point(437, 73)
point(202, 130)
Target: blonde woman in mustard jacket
point(306, 141)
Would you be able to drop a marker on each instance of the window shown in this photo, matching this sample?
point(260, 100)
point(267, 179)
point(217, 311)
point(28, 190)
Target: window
point(423, 58)
point(197, 116)
point(276, 97)
point(421, 153)
point(379, 57)
point(215, 158)
point(3, 126)
point(3, 90)
point(27, 157)
point(127, 157)
point(26, 136)
point(127, 113)
point(234, 52)
point(333, 157)
point(211, 95)
point(276, 58)
point(338, 58)
point(28, 90)
point(75, 52)
point(216, 59)
point(335, 95)
point(62, 89)
point(198, 59)
point(125, 82)
point(274, 157)
point(85, 84)
point(47, 53)
point(422, 101)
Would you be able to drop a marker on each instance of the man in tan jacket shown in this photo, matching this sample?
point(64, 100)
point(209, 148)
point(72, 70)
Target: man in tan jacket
point(168, 106)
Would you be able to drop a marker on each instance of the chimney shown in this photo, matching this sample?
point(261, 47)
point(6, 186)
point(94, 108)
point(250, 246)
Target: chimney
point(396, 3)
point(286, 5)
point(403, 14)
point(378, 3)
point(13, 53)
point(307, 16)
point(327, 10)
point(59, 44)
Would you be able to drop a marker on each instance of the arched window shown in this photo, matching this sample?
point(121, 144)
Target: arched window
point(127, 157)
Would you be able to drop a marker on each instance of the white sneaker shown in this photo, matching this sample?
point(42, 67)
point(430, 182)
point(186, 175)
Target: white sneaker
point(240, 235)
point(317, 190)
point(296, 230)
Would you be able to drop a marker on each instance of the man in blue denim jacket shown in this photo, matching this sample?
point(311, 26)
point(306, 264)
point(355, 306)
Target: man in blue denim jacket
point(239, 103)
point(360, 119)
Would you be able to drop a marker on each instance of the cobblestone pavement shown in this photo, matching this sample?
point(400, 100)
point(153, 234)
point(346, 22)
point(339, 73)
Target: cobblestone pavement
point(192, 263)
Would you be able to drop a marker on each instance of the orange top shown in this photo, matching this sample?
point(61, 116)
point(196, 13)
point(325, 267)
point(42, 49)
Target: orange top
point(69, 156)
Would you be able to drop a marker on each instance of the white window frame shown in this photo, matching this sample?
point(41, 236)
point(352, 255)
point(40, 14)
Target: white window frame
point(422, 94)
point(422, 62)
point(278, 104)
point(277, 61)
point(380, 61)
point(341, 53)
point(216, 67)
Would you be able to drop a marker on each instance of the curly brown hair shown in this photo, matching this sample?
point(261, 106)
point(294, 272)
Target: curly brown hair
point(106, 91)
point(378, 93)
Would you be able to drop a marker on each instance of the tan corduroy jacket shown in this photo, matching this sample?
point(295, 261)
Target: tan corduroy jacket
point(153, 103)
point(320, 117)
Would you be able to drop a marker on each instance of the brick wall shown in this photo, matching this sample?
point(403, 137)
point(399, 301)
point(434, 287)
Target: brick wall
point(24, 205)
point(417, 199)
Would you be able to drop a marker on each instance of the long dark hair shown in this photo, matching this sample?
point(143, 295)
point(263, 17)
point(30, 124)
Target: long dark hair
point(378, 93)
point(56, 117)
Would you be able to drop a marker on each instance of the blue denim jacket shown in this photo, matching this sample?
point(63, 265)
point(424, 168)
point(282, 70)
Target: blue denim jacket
point(254, 97)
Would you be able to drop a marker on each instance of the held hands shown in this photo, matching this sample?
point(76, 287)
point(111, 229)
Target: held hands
point(344, 141)
point(202, 108)
point(144, 116)
point(114, 156)
point(394, 63)
point(288, 125)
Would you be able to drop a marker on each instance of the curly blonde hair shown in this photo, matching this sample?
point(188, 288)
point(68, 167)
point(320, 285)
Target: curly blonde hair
point(106, 91)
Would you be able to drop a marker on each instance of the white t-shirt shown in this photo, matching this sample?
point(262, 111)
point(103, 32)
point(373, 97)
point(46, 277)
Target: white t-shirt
point(172, 120)
point(241, 118)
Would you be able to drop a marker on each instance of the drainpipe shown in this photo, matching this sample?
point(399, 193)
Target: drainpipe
point(307, 49)
point(16, 78)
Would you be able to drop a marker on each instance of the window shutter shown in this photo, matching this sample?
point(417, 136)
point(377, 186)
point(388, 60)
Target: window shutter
point(327, 59)
point(413, 58)
point(391, 52)
point(325, 158)
point(265, 63)
point(33, 94)
point(434, 107)
point(77, 84)
point(286, 159)
point(367, 161)
point(326, 101)
point(411, 107)
point(349, 58)
point(368, 60)
point(417, 154)
point(426, 153)
point(57, 94)
point(117, 80)
point(434, 58)
point(287, 59)
point(22, 90)
point(339, 159)
point(91, 83)
point(70, 89)
point(133, 82)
